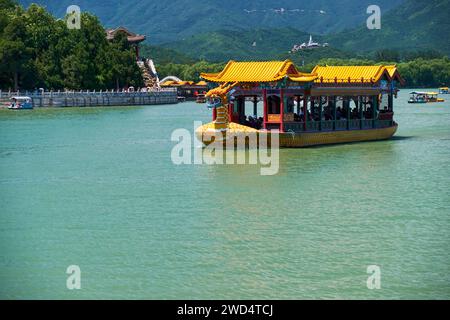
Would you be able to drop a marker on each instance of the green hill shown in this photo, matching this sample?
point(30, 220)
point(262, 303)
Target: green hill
point(415, 25)
point(259, 44)
point(164, 21)
point(162, 55)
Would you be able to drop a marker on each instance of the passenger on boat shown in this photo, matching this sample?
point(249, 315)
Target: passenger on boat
point(290, 105)
point(253, 122)
point(302, 116)
point(338, 113)
point(344, 112)
point(328, 114)
point(355, 113)
point(369, 113)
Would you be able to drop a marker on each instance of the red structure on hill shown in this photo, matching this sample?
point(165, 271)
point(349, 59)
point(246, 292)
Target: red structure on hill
point(133, 38)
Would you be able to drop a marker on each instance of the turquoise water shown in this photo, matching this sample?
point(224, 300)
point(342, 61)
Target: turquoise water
point(96, 188)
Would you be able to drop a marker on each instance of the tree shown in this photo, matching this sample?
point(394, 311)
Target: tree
point(14, 54)
point(120, 67)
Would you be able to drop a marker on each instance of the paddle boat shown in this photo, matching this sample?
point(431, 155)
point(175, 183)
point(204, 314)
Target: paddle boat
point(417, 97)
point(424, 97)
point(433, 97)
point(20, 103)
point(443, 90)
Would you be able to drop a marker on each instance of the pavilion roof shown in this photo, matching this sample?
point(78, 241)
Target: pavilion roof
point(131, 36)
point(261, 71)
point(394, 74)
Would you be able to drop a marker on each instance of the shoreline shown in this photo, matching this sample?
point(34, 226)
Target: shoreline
point(93, 99)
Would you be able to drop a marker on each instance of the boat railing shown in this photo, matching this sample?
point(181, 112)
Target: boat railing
point(341, 125)
point(366, 124)
point(386, 116)
point(312, 126)
point(294, 127)
point(383, 123)
point(354, 124)
point(327, 125)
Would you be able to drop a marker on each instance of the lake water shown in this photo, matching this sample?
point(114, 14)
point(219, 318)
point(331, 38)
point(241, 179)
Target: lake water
point(96, 187)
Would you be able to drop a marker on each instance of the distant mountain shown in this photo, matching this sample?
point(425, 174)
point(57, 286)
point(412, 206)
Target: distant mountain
point(415, 25)
point(164, 21)
point(258, 44)
point(163, 55)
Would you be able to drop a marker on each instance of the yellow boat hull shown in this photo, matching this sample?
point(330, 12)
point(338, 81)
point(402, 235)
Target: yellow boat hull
point(302, 139)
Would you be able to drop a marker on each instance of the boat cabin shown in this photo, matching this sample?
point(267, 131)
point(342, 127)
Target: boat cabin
point(417, 97)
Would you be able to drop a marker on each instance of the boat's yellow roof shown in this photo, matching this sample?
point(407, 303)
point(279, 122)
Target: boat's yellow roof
point(392, 70)
point(271, 71)
point(443, 88)
point(353, 74)
point(171, 83)
point(258, 71)
point(168, 83)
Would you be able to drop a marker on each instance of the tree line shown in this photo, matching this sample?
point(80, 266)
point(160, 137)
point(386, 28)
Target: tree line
point(419, 72)
point(40, 51)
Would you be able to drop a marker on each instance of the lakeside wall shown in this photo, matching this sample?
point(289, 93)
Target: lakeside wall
point(94, 99)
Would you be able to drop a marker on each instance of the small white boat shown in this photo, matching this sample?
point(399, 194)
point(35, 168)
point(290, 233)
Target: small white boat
point(20, 103)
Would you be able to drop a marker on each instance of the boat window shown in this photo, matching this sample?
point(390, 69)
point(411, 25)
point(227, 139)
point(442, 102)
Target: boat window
point(384, 103)
point(339, 102)
point(290, 104)
point(274, 103)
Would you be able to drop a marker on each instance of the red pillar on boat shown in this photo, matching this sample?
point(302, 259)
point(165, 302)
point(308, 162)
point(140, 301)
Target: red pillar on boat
point(281, 110)
point(265, 107)
point(214, 114)
point(305, 110)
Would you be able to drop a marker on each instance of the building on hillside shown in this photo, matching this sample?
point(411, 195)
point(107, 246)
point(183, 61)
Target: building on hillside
point(133, 38)
point(147, 66)
point(310, 45)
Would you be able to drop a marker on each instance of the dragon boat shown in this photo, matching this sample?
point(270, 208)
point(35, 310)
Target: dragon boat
point(332, 104)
